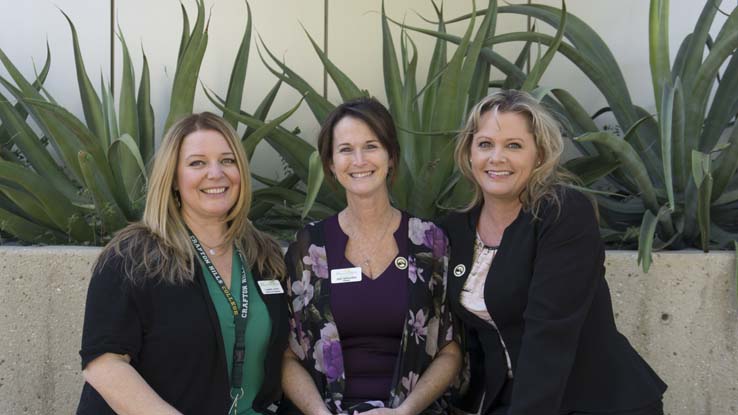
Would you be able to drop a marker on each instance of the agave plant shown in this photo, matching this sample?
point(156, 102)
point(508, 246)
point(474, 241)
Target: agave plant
point(427, 118)
point(670, 180)
point(78, 182)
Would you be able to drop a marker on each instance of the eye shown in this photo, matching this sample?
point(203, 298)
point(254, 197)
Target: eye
point(196, 163)
point(514, 146)
point(228, 161)
point(344, 150)
point(484, 144)
point(372, 146)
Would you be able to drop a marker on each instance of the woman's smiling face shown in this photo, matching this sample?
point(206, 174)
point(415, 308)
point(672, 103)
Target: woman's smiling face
point(208, 179)
point(503, 155)
point(360, 161)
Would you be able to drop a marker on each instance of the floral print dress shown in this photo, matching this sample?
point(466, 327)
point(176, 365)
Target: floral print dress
point(313, 333)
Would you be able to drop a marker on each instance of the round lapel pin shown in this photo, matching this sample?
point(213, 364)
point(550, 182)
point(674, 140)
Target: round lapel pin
point(400, 262)
point(459, 270)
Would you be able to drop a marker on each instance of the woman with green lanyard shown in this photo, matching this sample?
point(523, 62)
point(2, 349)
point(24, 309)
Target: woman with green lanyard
point(185, 312)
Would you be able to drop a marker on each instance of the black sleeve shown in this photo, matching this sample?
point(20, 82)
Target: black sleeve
point(567, 266)
point(112, 323)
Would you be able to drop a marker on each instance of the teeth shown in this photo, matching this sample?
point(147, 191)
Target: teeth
point(360, 175)
point(215, 190)
point(499, 173)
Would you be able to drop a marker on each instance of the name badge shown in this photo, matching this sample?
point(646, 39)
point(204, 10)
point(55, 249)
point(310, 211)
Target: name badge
point(269, 287)
point(342, 275)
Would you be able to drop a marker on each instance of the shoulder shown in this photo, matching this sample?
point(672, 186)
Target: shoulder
point(567, 204)
point(574, 215)
point(427, 235)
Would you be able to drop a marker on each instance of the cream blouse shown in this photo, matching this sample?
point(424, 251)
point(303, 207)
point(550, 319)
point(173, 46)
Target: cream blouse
point(472, 295)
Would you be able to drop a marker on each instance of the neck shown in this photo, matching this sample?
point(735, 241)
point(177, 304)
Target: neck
point(500, 212)
point(369, 211)
point(210, 231)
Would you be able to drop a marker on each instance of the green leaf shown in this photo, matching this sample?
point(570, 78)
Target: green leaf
point(646, 236)
point(537, 72)
point(127, 109)
point(111, 215)
point(185, 36)
point(28, 204)
point(435, 68)
point(109, 114)
point(722, 108)
point(129, 173)
point(28, 231)
point(346, 87)
point(264, 106)
point(90, 101)
point(238, 73)
point(315, 180)
point(34, 151)
point(658, 25)
point(590, 169)
point(704, 195)
point(726, 165)
point(665, 123)
point(188, 70)
point(70, 127)
point(255, 138)
point(145, 113)
point(67, 217)
point(631, 164)
point(319, 106)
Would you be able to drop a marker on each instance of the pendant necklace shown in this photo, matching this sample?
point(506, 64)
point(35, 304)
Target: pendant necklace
point(370, 253)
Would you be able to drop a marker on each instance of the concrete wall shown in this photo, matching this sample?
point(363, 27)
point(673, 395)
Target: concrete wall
point(682, 317)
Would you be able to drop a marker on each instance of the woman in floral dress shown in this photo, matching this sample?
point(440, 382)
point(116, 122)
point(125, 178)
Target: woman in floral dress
point(370, 329)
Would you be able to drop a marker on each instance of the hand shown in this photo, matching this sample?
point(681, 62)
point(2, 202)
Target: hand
point(382, 411)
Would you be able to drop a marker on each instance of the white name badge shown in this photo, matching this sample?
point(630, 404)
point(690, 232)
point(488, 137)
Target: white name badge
point(342, 275)
point(270, 287)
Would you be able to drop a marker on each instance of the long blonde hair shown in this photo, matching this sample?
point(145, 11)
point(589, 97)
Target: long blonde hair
point(547, 175)
point(159, 244)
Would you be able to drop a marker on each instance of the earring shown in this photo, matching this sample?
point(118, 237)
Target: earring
point(177, 198)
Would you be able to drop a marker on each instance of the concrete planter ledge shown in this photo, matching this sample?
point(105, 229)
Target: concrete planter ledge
point(682, 317)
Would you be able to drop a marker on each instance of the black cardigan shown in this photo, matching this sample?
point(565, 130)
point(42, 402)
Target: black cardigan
point(546, 292)
point(173, 337)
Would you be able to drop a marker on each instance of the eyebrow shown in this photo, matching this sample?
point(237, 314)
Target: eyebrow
point(230, 153)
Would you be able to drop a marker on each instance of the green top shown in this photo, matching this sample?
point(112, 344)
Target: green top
point(258, 330)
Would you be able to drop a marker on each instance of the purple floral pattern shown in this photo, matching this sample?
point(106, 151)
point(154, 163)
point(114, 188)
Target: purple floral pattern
point(314, 336)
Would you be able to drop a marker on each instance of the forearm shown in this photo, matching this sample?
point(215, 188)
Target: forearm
point(299, 387)
point(434, 381)
point(125, 391)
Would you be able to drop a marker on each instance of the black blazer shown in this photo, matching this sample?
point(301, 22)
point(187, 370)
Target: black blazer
point(173, 337)
point(546, 292)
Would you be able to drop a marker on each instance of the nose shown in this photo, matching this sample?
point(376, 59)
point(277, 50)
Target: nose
point(215, 170)
point(497, 155)
point(358, 157)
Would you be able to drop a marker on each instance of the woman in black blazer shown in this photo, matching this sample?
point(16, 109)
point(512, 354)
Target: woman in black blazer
point(538, 319)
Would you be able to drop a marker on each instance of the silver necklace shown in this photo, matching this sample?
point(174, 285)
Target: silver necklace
point(373, 246)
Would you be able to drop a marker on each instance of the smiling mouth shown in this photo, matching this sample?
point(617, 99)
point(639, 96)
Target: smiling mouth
point(214, 190)
point(361, 174)
point(493, 173)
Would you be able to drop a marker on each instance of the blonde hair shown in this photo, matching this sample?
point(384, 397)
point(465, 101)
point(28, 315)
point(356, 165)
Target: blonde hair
point(159, 244)
point(547, 175)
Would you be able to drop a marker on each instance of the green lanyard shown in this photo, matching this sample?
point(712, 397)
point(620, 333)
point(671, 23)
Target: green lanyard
point(239, 318)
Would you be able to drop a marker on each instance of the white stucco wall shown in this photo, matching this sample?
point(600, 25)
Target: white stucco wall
point(354, 39)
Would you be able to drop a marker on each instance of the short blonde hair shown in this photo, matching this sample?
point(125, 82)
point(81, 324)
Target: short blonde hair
point(161, 240)
point(547, 175)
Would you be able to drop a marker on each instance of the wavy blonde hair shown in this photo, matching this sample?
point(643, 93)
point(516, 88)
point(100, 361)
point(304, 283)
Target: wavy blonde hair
point(160, 242)
point(546, 176)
